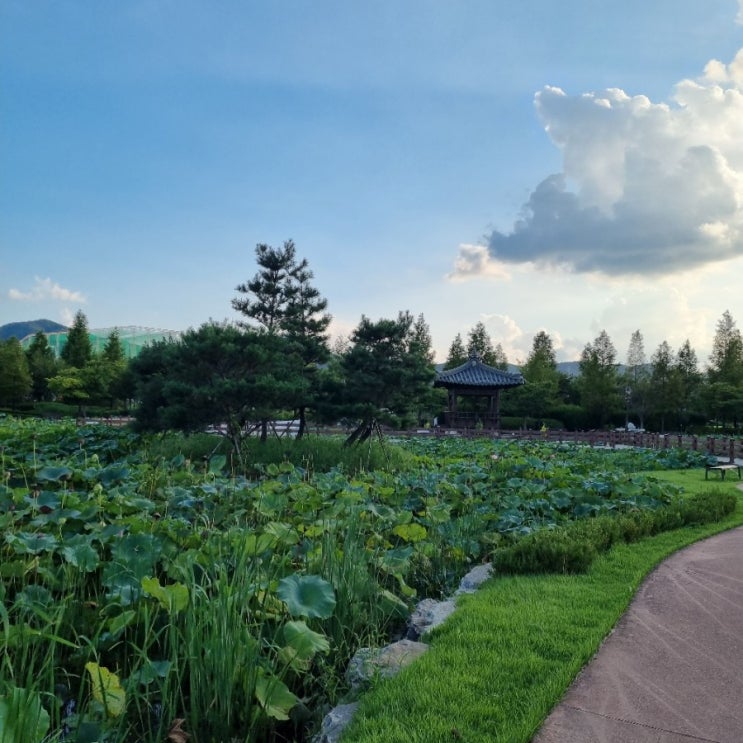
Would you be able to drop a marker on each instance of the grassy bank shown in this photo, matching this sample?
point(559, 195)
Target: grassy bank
point(505, 658)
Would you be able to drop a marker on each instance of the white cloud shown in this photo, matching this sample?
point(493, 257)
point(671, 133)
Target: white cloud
point(658, 186)
point(46, 289)
point(475, 260)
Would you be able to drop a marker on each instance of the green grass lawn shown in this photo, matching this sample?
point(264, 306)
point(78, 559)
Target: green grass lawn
point(505, 658)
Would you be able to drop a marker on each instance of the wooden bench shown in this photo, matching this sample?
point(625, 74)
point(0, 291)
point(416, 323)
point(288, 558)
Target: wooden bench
point(722, 469)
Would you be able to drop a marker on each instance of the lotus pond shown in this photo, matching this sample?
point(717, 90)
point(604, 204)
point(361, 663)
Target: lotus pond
point(150, 598)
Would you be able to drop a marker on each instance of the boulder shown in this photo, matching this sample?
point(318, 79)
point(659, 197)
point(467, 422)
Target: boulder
point(335, 722)
point(369, 663)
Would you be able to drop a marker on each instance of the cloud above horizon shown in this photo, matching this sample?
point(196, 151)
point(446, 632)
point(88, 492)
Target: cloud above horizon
point(44, 290)
point(646, 188)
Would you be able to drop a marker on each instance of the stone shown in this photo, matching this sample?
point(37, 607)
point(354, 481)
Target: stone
point(335, 722)
point(368, 663)
point(474, 579)
point(428, 615)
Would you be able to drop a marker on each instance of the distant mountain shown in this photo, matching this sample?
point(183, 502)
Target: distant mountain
point(22, 329)
point(569, 368)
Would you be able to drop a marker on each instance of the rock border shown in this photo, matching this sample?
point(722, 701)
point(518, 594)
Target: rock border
point(385, 662)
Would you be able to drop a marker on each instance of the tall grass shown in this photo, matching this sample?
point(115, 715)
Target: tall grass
point(312, 453)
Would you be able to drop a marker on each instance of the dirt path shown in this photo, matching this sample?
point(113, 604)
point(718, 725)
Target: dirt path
point(672, 670)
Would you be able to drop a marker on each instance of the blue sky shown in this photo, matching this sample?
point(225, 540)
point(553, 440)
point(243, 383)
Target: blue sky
point(561, 165)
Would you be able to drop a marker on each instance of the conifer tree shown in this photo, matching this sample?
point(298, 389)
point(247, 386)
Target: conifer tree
point(78, 350)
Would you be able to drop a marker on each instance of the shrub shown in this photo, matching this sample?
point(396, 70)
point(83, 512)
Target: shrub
point(546, 551)
point(707, 506)
point(571, 548)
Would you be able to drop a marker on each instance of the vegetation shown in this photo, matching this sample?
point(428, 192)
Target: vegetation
point(151, 584)
point(526, 636)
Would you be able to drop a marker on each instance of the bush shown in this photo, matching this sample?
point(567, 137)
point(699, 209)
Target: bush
point(572, 548)
point(546, 551)
point(707, 506)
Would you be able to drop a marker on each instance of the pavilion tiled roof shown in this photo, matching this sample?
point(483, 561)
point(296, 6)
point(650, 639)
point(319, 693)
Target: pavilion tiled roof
point(474, 373)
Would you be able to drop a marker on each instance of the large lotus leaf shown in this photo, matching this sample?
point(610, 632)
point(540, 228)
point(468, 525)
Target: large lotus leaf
point(410, 532)
point(53, 474)
point(114, 474)
point(22, 717)
point(307, 596)
point(80, 553)
point(274, 696)
point(173, 598)
point(107, 689)
point(305, 641)
point(217, 463)
point(32, 544)
point(137, 553)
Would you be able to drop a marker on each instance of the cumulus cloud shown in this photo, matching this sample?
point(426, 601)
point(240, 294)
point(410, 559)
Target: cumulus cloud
point(646, 188)
point(45, 289)
point(475, 260)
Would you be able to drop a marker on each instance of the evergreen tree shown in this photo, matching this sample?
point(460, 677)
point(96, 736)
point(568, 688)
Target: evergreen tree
point(420, 347)
point(15, 378)
point(457, 353)
point(305, 323)
point(498, 358)
point(598, 380)
point(282, 300)
point(266, 295)
point(480, 344)
point(725, 374)
point(382, 377)
point(726, 360)
point(78, 350)
point(664, 383)
point(636, 379)
point(534, 399)
point(113, 351)
point(686, 368)
point(42, 364)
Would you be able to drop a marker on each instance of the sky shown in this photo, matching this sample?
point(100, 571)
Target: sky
point(567, 166)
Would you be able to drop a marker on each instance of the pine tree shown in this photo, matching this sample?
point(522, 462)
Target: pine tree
point(726, 360)
point(266, 295)
point(480, 344)
point(15, 378)
point(457, 353)
point(598, 379)
point(42, 364)
point(78, 350)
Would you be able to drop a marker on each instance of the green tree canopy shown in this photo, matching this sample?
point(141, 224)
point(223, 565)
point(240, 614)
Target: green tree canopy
point(457, 353)
point(78, 350)
point(42, 364)
point(216, 374)
point(386, 370)
point(598, 381)
point(16, 383)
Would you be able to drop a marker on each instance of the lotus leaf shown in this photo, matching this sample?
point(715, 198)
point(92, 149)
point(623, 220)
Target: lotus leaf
point(53, 474)
point(107, 689)
point(274, 696)
point(80, 553)
point(173, 598)
point(410, 532)
point(307, 596)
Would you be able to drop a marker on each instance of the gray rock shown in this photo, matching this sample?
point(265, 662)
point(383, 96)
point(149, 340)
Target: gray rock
point(474, 579)
point(335, 722)
point(428, 615)
point(368, 663)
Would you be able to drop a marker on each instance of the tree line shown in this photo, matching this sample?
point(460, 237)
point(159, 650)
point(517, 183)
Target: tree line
point(277, 362)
